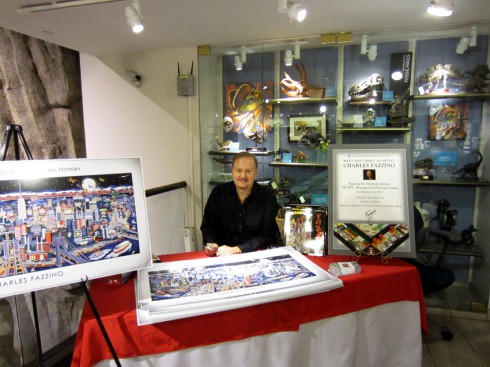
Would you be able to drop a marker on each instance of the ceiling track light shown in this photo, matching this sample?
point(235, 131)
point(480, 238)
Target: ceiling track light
point(289, 55)
point(441, 8)
point(364, 48)
point(133, 16)
point(372, 52)
point(295, 11)
point(238, 63)
point(241, 59)
point(473, 37)
point(288, 58)
point(462, 45)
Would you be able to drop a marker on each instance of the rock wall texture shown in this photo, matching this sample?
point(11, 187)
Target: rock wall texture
point(40, 90)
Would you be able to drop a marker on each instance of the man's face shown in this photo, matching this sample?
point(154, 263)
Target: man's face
point(244, 173)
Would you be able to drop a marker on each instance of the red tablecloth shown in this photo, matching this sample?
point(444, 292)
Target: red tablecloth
point(377, 284)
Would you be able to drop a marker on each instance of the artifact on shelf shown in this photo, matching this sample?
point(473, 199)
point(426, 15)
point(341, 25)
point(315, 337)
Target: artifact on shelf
point(446, 217)
point(311, 137)
point(301, 88)
point(300, 157)
point(445, 235)
point(367, 89)
point(423, 169)
point(323, 146)
point(435, 78)
point(245, 111)
point(398, 112)
point(478, 78)
point(224, 144)
point(368, 117)
point(469, 172)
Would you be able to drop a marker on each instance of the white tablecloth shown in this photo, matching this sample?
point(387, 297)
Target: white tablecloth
point(383, 336)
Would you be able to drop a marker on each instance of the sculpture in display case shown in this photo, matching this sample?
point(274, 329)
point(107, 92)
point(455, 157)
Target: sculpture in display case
point(478, 78)
point(435, 78)
point(245, 110)
point(301, 88)
point(470, 170)
point(368, 88)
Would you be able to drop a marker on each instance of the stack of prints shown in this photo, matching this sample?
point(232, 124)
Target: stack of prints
point(180, 289)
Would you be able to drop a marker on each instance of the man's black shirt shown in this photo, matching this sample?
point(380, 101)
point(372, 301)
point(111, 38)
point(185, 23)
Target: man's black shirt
point(250, 226)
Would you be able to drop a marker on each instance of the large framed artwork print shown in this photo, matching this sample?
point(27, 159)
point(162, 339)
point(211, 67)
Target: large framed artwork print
point(371, 207)
point(64, 221)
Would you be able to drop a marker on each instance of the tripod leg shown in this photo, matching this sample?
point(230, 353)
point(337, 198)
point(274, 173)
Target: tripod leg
point(6, 140)
point(38, 333)
point(16, 145)
point(23, 140)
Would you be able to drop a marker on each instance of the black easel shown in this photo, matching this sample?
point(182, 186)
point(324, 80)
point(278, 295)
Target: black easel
point(99, 321)
point(19, 135)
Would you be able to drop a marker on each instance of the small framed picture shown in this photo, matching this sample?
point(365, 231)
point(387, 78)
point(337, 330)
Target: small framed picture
point(306, 125)
point(448, 122)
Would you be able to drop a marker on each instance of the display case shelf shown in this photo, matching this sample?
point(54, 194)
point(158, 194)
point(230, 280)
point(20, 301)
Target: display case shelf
point(458, 249)
point(234, 152)
point(294, 100)
point(368, 103)
point(450, 183)
point(452, 95)
point(298, 164)
point(372, 129)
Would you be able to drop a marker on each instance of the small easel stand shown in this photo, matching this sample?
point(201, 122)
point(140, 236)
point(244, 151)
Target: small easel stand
point(99, 321)
point(17, 133)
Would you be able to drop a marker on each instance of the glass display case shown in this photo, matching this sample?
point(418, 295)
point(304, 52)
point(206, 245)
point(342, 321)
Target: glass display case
point(287, 116)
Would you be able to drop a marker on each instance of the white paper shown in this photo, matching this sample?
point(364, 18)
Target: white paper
point(180, 289)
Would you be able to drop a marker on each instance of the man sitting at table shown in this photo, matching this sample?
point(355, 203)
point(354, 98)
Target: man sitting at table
point(240, 215)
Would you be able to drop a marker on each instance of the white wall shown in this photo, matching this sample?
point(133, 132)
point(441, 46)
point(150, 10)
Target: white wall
point(151, 122)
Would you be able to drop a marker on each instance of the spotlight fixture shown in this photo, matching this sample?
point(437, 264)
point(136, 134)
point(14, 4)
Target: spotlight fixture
point(243, 54)
point(296, 51)
point(295, 11)
point(473, 37)
point(133, 15)
point(372, 52)
point(462, 45)
point(364, 45)
point(289, 56)
point(238, 63)
point(241, 59)
point(441, 8)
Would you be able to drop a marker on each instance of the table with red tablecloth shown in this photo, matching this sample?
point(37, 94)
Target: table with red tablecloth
point(378, 285)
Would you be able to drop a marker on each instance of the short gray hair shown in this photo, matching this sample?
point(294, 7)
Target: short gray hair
point(245, 155)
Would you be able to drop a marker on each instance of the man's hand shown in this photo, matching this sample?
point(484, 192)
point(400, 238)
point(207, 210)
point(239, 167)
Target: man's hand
point(228, 250)
point(211, 248)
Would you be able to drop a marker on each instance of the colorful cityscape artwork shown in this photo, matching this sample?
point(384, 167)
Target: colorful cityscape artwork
point(50, 224)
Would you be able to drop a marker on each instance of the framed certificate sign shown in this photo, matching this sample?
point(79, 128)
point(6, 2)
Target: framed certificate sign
point(371, 205)
point(64, 221)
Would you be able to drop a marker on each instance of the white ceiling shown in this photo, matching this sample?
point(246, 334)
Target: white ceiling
point(102, 30)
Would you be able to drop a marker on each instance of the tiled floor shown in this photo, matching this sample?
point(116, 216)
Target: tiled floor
point(470, 346)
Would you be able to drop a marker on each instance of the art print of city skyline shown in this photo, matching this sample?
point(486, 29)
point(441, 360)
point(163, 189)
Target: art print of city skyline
point(55, 222)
